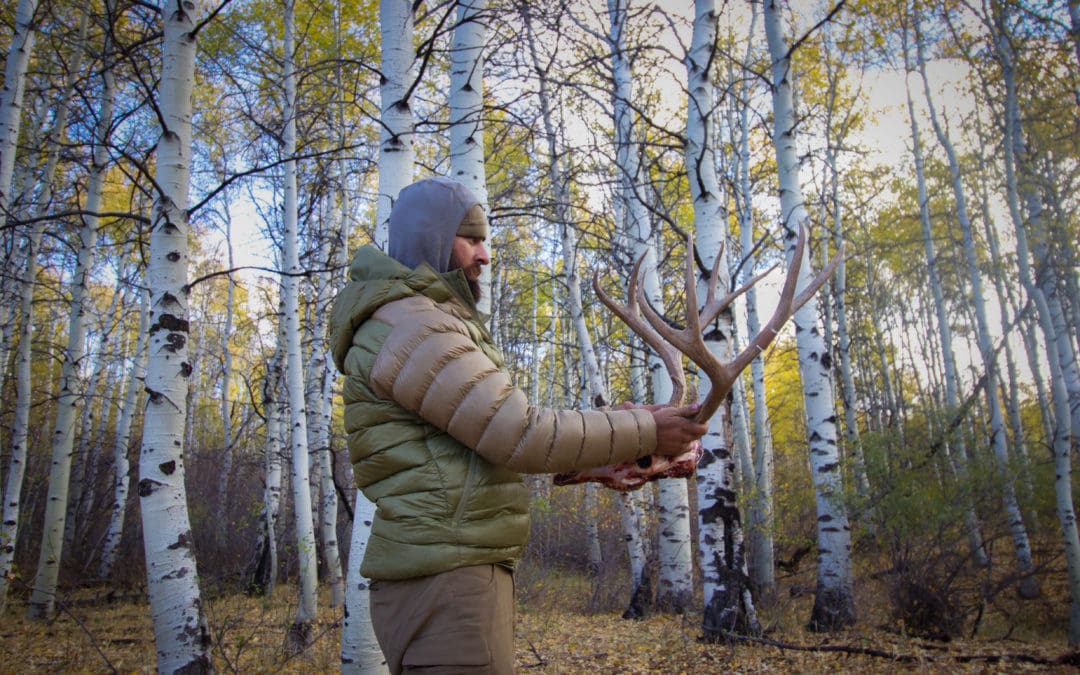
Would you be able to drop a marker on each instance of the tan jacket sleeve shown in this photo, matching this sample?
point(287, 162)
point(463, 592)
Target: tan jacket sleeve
point(431, 366)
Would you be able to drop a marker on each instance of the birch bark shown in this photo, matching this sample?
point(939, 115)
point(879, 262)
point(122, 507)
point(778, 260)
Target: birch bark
point(226, 368)
point(720, 541)
point(759, 515)
point(1022, 186)
point(466, 114)
point(263, 570)
point(834, 605)
point(1028, 583)
point(42, 600)
point(674, 551)
point(396, 153)
point(11, 96)
point(121, 466)
point(360, 652)
point(21, 422)
point(952, 396)
point(300, 630)
point(181, 633)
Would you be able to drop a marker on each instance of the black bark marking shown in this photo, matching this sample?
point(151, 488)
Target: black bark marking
point(174, 342)
point(167, 468)
point(171, 300)
point(178, 574)
point(183, 541)
point(147, 487)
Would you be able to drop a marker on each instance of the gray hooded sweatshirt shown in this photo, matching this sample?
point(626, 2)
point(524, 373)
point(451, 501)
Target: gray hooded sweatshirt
point(425, 220)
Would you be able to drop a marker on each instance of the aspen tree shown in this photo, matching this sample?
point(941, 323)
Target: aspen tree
point(1025, 204)
point(834, 605)
point(360, 652)
point(674, 551)
point(955, 461)
point(998, 441)
point(300, 631)
point(466, 114)
point(121, 466)
point(46, 580)
point(181, 634)
point(728, 606)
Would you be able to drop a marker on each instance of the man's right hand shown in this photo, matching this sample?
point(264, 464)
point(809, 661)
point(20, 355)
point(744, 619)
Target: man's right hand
point(676, 430)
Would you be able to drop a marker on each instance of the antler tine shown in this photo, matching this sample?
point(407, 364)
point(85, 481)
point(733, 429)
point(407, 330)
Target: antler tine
point(690, 341)
point(713, 305)
point(788, 305)
point(629, 314)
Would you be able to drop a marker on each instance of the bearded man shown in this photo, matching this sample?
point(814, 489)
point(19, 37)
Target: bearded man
point(439, 437)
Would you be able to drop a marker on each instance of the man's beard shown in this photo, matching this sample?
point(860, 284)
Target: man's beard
point(474, 284)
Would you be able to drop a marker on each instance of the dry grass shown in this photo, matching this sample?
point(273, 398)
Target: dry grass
point(555, 634)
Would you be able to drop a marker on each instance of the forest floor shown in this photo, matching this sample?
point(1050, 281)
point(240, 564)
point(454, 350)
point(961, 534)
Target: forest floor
point(102, 631)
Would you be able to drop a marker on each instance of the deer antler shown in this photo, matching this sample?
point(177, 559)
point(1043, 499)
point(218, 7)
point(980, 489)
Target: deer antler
point(630, 315)
point(689, 340)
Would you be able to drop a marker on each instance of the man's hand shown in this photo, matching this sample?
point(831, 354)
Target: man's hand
point(676, 430)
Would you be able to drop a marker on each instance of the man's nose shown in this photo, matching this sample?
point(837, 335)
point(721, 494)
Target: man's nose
point(482, 256)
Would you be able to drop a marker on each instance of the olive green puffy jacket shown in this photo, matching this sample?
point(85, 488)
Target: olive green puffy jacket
point(437, 434)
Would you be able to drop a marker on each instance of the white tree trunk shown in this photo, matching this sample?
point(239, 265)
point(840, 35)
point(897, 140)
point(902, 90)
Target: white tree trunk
point(999, 442)
point(838, 126)
point(360, 651)
point(396, 154)
point(42, 601)
point(299, 632)
point(20, 426)
point(640, 576)
point(11, 96)
point(226, 369)
point(86, 458)
point(121, 466)
point(834, 605)
point(1021, 184)
point(263, 570)
point(760, 510)
point(466, 114)
point(720, 546)
point(181, 634)
point(321, 402)
point(958, 461)
point(675, 587)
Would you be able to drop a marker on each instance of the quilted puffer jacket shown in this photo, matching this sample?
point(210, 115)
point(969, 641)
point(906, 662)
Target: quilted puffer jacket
point(437, 434)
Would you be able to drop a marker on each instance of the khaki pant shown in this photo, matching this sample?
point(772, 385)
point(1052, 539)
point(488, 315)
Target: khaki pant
point(461, 621)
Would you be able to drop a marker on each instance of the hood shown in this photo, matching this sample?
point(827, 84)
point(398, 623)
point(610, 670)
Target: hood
point(425, 219)
point(376, 279)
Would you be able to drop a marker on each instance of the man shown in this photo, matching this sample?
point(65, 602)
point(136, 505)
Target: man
point(439, 438)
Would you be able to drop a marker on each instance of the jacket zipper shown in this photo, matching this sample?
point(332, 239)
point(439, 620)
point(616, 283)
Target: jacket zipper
point(466, 489)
